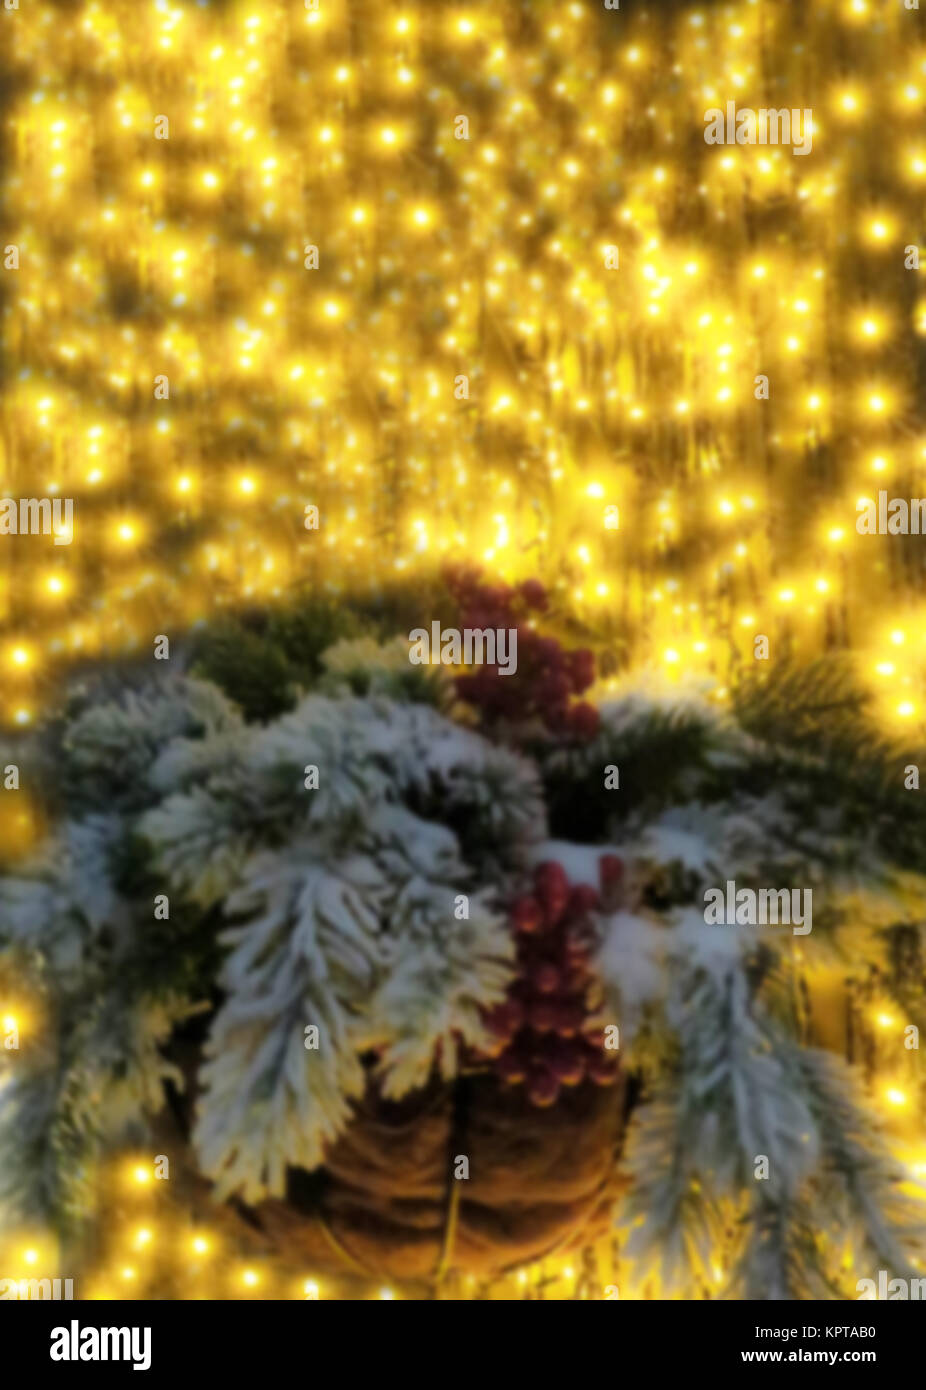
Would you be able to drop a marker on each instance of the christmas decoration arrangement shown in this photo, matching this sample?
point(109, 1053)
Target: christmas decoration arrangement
point(328, 971)
point(412, 980)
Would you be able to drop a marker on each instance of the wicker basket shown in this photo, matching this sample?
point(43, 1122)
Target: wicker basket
point(387, 1205)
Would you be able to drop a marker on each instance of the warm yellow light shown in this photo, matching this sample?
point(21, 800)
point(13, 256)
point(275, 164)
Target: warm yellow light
point(143, 1237)
point(895, 1096)
point(905, 709)
point(250, 1278)
point(30, 1256)
point(898, 637)
point(141, 1175)
point(199, 1245)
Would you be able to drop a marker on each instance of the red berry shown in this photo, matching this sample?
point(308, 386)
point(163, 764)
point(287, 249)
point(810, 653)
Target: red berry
point(534, 594)
point(543, 1015)
point(546, 978)
point(582, 669)
point(510, 1068)
point(553, 689)
point(602, 1071)
point(577, 950)
point(553, 910)
point(527, 915)
point(467, 688)
point(550, 877)
point(556, 718)
point(580, 943)
point(584, 720)
point(583, 898)
point(568, 1064)
point(516, 1011)
point(499, 596)
point(570, 1015)
point(610, 870)
point(578, 982)
point(552, 887)
point(543, 1089)
point(503, 1020)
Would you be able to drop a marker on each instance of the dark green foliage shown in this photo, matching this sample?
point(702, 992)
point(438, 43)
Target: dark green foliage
point(247, 666)
point(265, 659)
point(657, 756)
point(821, 735)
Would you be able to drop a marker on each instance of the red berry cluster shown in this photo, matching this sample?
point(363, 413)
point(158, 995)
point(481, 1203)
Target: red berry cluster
point(544, 1036)
point(547, 676)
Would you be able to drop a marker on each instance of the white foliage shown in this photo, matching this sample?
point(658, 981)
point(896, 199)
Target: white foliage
point(308, 953)
point(631, 963)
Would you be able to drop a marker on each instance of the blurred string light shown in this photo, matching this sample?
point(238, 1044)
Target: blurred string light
point(441, 257)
